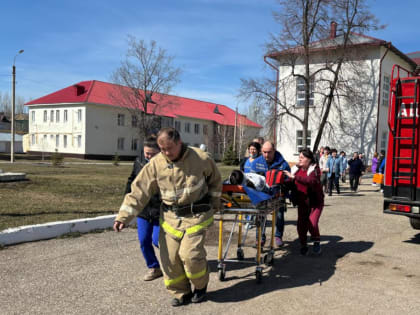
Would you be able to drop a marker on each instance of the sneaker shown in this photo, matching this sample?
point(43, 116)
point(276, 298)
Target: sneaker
point(316, 249)
point(304, 250)
point(185, 299)
point(199, 295)
point(279, 241)
point(152, 274)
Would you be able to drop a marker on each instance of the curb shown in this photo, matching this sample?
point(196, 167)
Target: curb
point(30, 233)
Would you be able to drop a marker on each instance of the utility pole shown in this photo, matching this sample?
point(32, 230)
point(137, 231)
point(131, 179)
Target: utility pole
point(12, 129)
point(234, 129)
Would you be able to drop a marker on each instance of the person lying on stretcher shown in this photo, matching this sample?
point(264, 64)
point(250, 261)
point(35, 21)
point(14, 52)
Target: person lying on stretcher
point(251, 180)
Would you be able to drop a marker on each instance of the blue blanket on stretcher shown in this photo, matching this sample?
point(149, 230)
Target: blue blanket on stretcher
point(256, 196)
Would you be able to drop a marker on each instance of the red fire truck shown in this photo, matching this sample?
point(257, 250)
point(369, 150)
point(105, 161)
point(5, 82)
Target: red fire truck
point(402, 168)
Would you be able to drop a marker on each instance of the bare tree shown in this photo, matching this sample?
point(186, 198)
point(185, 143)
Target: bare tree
point(144, 77)
point(5, 104)
point(302, 43)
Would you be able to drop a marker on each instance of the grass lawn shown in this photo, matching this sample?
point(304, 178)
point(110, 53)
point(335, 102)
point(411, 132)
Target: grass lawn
point(64, 193)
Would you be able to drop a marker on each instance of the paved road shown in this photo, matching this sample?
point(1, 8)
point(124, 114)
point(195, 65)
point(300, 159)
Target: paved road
point(370, 265)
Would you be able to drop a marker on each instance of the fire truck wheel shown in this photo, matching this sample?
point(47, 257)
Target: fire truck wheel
point(415, 223)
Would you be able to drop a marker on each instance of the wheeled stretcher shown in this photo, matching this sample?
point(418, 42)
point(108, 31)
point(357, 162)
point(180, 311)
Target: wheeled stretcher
point(237, 201)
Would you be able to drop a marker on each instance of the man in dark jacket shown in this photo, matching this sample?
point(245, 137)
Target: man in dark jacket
point(270, 159)
point(355, 171)
point(148, 220)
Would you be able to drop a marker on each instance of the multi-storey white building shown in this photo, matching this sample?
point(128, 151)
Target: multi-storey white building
point(84, 120)
point(358, 118)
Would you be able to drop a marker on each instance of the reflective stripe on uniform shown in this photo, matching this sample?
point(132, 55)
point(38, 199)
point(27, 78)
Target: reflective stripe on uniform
point(197, 275)
point(215, 194)
point(200, 226)
point(169, 229)
point(128, 209)
point(169, 282)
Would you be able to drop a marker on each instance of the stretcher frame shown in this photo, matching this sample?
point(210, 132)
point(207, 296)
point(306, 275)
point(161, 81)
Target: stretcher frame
point(237, 202)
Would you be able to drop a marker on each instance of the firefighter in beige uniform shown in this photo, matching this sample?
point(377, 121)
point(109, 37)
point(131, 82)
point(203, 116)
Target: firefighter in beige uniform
point(190, 186)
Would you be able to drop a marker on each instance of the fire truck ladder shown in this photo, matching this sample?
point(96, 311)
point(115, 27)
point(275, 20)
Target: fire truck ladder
point(398, 138)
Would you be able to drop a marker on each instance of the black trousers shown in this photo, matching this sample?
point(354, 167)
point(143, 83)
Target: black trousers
point(354, 181)
point(334, 179)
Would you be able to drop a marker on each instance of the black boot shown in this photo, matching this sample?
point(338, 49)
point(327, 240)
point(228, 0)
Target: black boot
point(185, 299)
point(199, 295)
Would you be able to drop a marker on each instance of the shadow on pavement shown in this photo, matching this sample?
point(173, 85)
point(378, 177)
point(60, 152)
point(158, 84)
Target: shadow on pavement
point(289, 271)
point(414, 240)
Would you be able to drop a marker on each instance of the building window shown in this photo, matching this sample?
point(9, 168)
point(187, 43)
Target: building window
point(187, 127)
point(57, 140)
point(205, 129)
point(33, 116)
point(33, 139)
point(120, 144)
point(120, 119)
point(45, 116)
point(57, 116)
point(65, 115)
point(196, 129)
point(51, 139)
point(300, 92)
point(178, 126)
point(384, 140)
point(299, 140)
point(385, 90)
point(134, 121)
point(65, 141)
point(79, 141)
point(52, 116)
point(79, 115)
point(44, 140)
point(134, 144)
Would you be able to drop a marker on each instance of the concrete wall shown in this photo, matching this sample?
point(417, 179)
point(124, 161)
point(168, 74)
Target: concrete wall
point(42, 135)
point(103, 131)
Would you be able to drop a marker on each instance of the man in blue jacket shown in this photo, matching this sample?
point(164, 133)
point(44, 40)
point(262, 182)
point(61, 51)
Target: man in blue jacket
point(335, 169)
point(271, 159)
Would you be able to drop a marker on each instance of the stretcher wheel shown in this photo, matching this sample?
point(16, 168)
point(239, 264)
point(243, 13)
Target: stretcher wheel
point(221, 274)
point(258, 275)
point(240, 254)
point(269, 259)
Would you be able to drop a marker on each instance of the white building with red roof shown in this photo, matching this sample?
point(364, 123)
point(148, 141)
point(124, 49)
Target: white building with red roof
point(358, 125)
point(85, 120)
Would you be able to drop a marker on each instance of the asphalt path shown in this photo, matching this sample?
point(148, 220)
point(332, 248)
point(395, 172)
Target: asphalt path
point(370, 264)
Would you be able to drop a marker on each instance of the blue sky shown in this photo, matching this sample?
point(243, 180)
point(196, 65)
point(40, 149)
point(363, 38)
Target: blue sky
point(215, 42)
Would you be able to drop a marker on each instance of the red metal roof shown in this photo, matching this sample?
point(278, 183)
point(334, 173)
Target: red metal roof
point(98, 92)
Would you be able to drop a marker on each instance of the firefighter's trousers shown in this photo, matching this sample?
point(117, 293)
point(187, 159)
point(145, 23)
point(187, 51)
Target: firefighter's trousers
point(182, 253)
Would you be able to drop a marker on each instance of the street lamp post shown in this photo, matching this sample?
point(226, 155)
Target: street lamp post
point(12, 131)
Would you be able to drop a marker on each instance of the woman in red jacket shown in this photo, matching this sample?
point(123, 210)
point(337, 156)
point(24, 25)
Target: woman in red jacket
point(309, 198)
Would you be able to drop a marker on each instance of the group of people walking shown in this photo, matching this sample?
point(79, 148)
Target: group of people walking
point(174, 190)
point(333, 168)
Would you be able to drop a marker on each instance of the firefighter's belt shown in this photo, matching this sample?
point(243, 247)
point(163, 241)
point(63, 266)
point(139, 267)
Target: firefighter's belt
point(200, 206)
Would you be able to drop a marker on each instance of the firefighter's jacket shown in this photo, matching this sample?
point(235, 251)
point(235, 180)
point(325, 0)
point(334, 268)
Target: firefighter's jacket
point(179, 183)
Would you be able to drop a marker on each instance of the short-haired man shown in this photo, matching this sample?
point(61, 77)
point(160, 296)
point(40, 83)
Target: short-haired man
point(190, 187)
point(271, 159)
point(334, 166)
point(148, 219)
point(355, 171)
